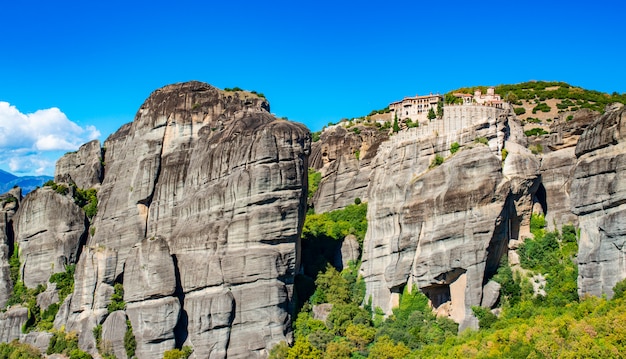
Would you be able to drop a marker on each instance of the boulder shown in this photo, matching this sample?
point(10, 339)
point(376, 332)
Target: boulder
point(11, 323)
point(113, 331)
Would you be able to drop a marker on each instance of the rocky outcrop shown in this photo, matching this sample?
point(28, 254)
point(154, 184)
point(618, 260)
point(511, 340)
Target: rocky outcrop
point(83, 167)
point(444, 228)
point(150, 283)
point(113, 331)
point(200, 212)
point(11, 323)
point(49, 231)
point(344, 157)
point(9, 203)
point(598, 198)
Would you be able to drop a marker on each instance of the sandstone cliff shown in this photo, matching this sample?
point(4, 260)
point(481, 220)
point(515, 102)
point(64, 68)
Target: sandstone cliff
point(83, 167)
point(49, 232)
point(445, 228)
point(344, 157)
point(9, 203)
point(599, 200)
point(200, 212)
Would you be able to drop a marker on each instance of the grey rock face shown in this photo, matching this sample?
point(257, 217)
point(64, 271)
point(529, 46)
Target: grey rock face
point(344, 158)
point(598, 197)
point(47, 241)
point(49, 296)
point(349, 251)
point(11, 323)
point(93, 287)
point(219, 184)
point(149, 272)
point(113, 331)
point(443, 229)
point(150, 282)
point(39, 340)
point(83, 167)
point(557, 172)
point(154, 321)
point(9, 203)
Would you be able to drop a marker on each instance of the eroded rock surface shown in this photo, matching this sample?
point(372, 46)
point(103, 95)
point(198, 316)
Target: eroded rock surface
point(9, 203)
point(11, 323)
point(598, 198)
point(200, 212)
point(344, 157)
point(444, 228)
point(83, 167)
point(49, 230)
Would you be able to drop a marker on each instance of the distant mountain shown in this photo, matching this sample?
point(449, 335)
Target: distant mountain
point(26, 183)
point(6, 177)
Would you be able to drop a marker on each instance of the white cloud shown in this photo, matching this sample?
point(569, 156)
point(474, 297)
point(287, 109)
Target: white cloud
point(30, 143)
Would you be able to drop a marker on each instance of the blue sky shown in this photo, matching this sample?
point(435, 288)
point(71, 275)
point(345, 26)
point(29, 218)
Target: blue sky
point(88, 66)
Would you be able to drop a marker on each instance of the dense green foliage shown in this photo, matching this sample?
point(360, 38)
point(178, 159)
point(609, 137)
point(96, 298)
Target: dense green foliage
point(337, 224)
point(519, 110)
point(557, 324)
point(58, 188)
point(438, 160)
point(66, 344)
point(537, 131)
point(183, 353)
point(17, 350)
point(117, 299)
point(481, 140)
point(64, 281)
point(431, 114)
point(410, 124)
point(572, 97)
point(87, 200)
point(38, 319)
point(14, 265)
point(130, 344)
point(542, 106)
point(315, 136)
point(396, 126)
point(454, 147)
point(314, 178)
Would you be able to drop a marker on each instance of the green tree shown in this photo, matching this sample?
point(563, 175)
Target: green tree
point(178, 353)
point(360, 334)
point(279, 351)
point(431, 114)
point(396, 126)
point(385, 348)
point(440, 109)
point(340, 349)
point(302, 349)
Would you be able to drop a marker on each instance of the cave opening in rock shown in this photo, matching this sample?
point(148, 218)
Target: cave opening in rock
point(541, 198)
point(438, 294)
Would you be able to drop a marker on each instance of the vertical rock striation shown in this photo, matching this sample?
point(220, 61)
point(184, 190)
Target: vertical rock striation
point(344, 157)
point(443, 228)
point(49, 231)
point(200, 212)
point(83, 167)
point(599, 200)
point(9, 203)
